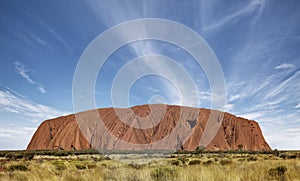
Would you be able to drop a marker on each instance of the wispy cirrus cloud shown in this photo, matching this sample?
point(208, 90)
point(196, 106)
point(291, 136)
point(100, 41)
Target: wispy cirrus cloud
point(282, 85)
point(255, 6)
point(269, 101)
point(285, 66)
point(13, 103)
point(228, 107)
point(235, 97)
point(16, 132)
point(252, 116)
point(53, 33)
point(23, 71)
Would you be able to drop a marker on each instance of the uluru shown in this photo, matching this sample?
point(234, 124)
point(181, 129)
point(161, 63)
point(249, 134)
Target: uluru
point(66, 132)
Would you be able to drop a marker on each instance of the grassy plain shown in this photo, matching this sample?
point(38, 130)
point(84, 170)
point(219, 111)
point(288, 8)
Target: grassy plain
point(186, 167)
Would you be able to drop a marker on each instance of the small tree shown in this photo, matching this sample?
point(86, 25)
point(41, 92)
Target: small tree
point(200, 149)
point(28, 155)
point(276, 152)
point(10, 156)
point(240, 146)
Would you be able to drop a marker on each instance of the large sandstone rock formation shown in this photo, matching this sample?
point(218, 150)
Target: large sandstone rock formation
point(65, 132)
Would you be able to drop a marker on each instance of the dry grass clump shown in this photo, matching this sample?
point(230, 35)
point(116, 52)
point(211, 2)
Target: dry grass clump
point(195, 162)
point(20, 167)
point(164, 173)
point(226, 162)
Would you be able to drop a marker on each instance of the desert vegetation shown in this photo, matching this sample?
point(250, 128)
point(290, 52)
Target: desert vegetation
point(204, 165)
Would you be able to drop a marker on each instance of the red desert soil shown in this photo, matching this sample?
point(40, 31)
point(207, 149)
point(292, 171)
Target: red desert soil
point(64, 132)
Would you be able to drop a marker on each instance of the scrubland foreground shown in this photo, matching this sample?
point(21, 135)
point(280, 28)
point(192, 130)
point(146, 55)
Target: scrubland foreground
point(276, 165)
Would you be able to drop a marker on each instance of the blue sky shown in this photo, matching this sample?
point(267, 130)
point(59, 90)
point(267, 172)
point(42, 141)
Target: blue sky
point(257, 43)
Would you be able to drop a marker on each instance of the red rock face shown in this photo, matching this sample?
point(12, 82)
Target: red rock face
point(64, 132)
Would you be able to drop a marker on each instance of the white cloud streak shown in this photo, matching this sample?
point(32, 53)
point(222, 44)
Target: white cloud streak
point(23, 71)
point(16, 132)
point(282, 86)
point(251, 116)
point(285, 66)
point(53, 33)
point(12, 103)
point(228, 107)
point(235, 97)
point(252, 6)
point(42, 89)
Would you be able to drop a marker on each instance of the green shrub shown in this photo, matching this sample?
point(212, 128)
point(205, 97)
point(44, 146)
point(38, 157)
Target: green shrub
point(59, 165)
point(107, 158)
point(13, 156)
point(208, 162)
point(292, 156)
point(91, 165)
point(133, 177)
point(61, 153)
point(3, 153)
point(96, 159)
point(18, 156)
point(28, 155)
point(183, 160)
point(283, 155)
point(252, 158)
point(241, 159)
point(278, 171)
point(136, 166)
point(85, 152)
point(163, 173)
point(200, 149)
point(175, 162)
point(20, 167)
point(10, 156)
point(276, 152)
point(80, 166)
point(288, 155)
point(194, 162)
point(225, 162)
point(81, 158)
